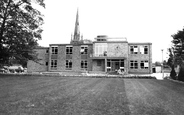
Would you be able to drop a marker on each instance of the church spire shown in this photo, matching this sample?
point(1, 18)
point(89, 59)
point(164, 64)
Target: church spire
point(77, 31)
point(76, 36)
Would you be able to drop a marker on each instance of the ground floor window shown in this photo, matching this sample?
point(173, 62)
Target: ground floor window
point(133, 64)
point(99, 63)
point(84, 64)
point(68, 64)
point(54, 64)
point(144, 64)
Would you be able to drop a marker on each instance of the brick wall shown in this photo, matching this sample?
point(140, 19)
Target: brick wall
point(141, 57)
point(98, 68)
point(35, 67)
point(117, 49)
point(75, 57)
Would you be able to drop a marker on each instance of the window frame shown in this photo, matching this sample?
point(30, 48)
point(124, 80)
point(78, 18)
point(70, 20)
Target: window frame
point(142, 64)
point(100, 49)
point(68, 65)
point(46, 63)
point(53, 63)
point(69, 50)
point(54, 49)
point(134, 64)
point(99, 63)
point(132, 49)
point(85, 48)
point(145, 49)
point(84, 64)
point(47, 51)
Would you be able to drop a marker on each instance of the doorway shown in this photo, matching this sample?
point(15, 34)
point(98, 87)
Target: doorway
point(115, 64)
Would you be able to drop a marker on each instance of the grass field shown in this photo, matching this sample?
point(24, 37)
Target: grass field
point(41, 95)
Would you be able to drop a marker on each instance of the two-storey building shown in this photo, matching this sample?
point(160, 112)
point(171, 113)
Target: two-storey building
point(104, 54)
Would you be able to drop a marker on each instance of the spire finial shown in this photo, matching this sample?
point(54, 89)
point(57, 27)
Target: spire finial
point(76, 31)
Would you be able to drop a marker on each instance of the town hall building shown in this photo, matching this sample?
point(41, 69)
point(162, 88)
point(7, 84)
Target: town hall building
point(104, 54)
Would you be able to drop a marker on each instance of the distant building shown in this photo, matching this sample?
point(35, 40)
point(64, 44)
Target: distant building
point(105, 54)
point(156, 68)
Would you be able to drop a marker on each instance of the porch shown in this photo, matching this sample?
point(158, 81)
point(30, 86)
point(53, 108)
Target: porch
point(110, 64)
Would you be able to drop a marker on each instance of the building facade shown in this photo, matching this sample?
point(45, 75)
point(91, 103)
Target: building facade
point(104, 54)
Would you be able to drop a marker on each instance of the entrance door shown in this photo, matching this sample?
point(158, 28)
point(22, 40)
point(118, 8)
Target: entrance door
point(115, 64)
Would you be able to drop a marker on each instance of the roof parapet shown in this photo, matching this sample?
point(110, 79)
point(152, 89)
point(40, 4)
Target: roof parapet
point(106, 38)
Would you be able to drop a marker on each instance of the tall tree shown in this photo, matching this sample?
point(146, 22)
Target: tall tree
point(178, 46)
point(171, 60)
point(20, 29)
point(176, 54)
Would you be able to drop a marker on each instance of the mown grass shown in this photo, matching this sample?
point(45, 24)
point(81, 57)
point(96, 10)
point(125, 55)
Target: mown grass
point(51, 95)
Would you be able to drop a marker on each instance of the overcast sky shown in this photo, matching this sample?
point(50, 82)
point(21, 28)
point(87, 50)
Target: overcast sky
point(138, 20)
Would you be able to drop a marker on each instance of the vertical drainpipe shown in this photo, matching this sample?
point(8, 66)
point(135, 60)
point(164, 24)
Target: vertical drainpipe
point(105, 64)
point(49, 61)
point(150, 58)
point(127, 60)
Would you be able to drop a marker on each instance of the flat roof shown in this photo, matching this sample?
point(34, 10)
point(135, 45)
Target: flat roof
point(140, 43)
point(69, 44)
point(110, 42)
point(40, 47)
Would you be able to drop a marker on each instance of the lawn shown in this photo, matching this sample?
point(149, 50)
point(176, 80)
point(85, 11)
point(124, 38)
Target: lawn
point(39, 95)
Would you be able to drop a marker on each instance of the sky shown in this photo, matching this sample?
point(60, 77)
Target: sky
point(138, 20)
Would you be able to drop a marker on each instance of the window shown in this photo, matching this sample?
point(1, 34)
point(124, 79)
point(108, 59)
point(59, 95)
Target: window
point(108, 63)
point(53, 64)
point(84, 64)
point(98, 63)
point(133, 49)
point(47, 51)
point(121, 63)
point(69, 49)
point(143, 49)
point(144, 64)
point(84, 50)
point(133, 64)
point(100, 49)
point(54, 50)
point(68, 64)
point(46, 63)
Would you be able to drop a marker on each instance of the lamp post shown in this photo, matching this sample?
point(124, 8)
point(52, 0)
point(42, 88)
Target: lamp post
point(162, 65)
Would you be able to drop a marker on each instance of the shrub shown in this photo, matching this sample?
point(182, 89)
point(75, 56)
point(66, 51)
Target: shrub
point(181, 73)
point(173, 73)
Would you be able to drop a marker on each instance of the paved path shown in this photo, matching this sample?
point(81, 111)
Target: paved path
point(90, 96)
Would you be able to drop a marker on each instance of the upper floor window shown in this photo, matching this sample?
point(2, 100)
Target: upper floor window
point(54, 50)
point(69, 49)
point(47, 51)
point(100, 49)
point(84, 50)
point(143, 49)
point(133, 49)
point(144, 64)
